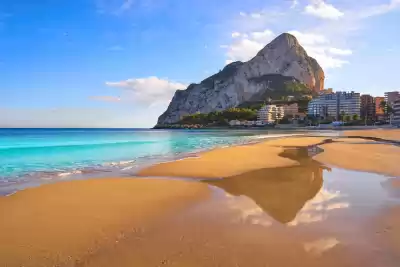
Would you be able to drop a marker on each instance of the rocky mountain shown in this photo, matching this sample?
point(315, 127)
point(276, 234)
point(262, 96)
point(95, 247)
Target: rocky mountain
point(239, 81)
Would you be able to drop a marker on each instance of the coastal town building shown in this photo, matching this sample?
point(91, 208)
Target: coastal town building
point(391, 97)
point(335, 104)
point(379, 111)
point(367, 110)
point(291, 110)
point(326, 91)
point(396, 112)
point(270, 113)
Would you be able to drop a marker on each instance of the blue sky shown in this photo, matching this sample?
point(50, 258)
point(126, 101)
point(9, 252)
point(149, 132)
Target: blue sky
point(117, 63)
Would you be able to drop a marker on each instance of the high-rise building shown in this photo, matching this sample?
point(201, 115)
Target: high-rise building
point(396, 112)
point(390, 97)
point(367, 110)
point(335, 104)
point(379, 111)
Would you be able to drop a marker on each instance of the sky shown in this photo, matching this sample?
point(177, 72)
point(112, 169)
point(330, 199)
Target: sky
point(117, 63)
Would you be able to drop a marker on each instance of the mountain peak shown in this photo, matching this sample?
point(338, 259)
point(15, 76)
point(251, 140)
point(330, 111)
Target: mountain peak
point(285, 37)
point(284, 41)
point(239, 82)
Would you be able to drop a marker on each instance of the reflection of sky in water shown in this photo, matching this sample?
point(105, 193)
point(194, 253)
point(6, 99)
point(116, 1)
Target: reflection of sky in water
point(318, 208)
point(315, 210)
point(342, 189)
point(299, 195)
point(247, 211)
point(320, 246)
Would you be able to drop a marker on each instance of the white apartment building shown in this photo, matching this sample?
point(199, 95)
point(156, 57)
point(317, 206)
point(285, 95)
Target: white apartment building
point(396, 112)
point(334, 104)
point(270, 113)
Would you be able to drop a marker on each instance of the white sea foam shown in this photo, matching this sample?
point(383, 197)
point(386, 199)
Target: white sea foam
point(65, 174)
point(265, 136)
point(119, 163)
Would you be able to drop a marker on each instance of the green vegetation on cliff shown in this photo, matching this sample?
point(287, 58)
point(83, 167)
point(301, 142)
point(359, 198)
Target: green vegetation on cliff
point(220, 117)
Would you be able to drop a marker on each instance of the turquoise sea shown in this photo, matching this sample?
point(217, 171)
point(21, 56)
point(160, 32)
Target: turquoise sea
point(37, 155)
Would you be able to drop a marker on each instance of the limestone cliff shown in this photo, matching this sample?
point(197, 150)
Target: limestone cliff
point(239, 82)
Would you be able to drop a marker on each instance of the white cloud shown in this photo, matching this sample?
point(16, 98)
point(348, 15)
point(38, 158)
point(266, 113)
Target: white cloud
point(294, 4)
point(246, 46)
point(149, 91)
point(379, 9)
point(235, 34)
point(323, 10)
point(340, 52)
point(106, 98)
point(255, 15)
point(309, 38)
point(266, 35)
point(242, 50)
point(319, 47)
point(243, 14)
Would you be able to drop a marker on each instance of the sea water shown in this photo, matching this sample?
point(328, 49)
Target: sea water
point(26, 154)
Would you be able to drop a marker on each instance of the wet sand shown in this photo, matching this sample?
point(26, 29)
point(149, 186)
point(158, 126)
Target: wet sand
point(274, 206)
point(348, 153)
point(389, 134)
point(369, 157)
point(61, 224)
point(232, 160)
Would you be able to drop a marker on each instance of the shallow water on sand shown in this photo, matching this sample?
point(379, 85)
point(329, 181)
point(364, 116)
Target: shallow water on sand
point(306, 215)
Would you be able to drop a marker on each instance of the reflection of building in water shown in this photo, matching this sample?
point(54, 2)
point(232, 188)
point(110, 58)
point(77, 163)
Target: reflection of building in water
point(280, 192)
point(313, 150)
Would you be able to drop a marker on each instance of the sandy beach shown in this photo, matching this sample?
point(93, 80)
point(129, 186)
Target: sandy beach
point(63, 223)
point(275, 205)
point(389, 134)
point(347, 153)
point(232, 160)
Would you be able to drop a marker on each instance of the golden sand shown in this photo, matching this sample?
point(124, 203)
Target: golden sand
point(56, 224)
point(371, 157)
point(387, 228)
point(389, 134)
point(232, 160)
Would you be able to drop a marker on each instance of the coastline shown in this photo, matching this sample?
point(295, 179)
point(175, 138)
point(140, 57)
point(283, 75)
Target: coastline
point(127, 167)
point(372, 156)
point(107, 218)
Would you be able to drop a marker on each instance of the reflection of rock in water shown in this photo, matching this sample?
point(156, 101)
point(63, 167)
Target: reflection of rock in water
point(280, 192)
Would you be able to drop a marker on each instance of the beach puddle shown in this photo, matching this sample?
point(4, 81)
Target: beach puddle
point(304, 215)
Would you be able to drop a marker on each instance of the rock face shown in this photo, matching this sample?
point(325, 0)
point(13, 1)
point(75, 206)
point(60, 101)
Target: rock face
point(239, 82)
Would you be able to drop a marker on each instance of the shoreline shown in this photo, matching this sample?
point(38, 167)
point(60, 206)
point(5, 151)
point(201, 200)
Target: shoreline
point(138, 165)
point(124, 168)
point(218, 163)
